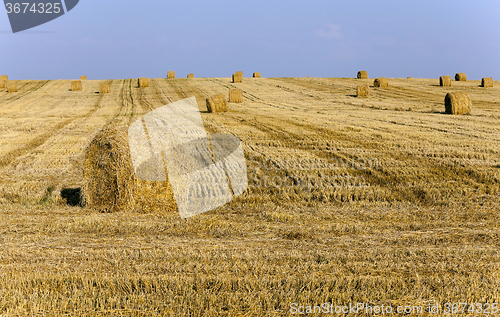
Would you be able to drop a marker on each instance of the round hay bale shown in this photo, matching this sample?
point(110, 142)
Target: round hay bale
point(381, 82)
point(143, 82)
point(362, 74)
point(3, 83)
point(238, 77)
point(460, 77)
point(109, 180)
point(217, 103)
point(487, 82)
point(83, 77)
point(170, 74)
point(76, 85)
point(363, 91)
point(190, 76)
point(457, 103)
point(4, 77)
point(256, 75)
point(104, 88)
point(236, 95)
point(445, 81)
point(12, 87)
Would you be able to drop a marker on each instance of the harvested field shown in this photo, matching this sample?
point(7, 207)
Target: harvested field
point(383, 199)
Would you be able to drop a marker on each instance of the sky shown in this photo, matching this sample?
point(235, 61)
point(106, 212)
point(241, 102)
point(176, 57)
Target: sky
point(112, 39)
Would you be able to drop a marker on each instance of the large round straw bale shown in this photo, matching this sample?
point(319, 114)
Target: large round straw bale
point(190, 76)
point(460, 77)
point(256, 75)
point(104, 88)
point(83, 77)
point(12, 87)
point(4, 77)
point(170, 74)
point(235, 95)
point(457, 103)
point(363, 91)
point(217, 103)
point(76, 85)
point(445, 81)
point(109, 180)
point(381, 82)
point(238, 77)
point(487, 82)
point(362, 74)
point(143, 82)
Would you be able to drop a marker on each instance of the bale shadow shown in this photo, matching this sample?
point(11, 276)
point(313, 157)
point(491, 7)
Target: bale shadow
point(73, 196)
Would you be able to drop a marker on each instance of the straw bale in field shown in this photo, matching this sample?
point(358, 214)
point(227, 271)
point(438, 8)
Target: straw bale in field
point(362, 74)
point(256, 75)
point(190, 76)
point(487, 82)
point(235, 95)
point(170, 74)
point(457, 103)
point(4, 77)
point(217, 103)
point(237, 78)
point(363, 91)
point(83, 77)
point(76, 85)
point(104, 88)
point(460, 77)
point(381, 82)
point(109, 178)
point(12, 87)
point(143, 82)
point(445, 81)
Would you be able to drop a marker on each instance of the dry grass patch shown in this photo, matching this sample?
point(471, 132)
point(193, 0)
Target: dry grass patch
point(217, 103)
point(457, 103)
point(236, 95)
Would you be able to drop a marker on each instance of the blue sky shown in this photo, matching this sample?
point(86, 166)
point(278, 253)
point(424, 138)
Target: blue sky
point(128, 39)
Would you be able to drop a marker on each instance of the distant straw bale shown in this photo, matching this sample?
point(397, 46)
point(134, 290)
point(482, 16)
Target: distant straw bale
point(3, 83)
point(236, 95)
point(445, 81)
point(217, 103)
point(143, 82)
point(76, 85)
point(4, 77)
point(362, 74)
point(83, 77)
point(12, 87)
point(457, 103)
point(170, 74)
point(109, 180)
point(487, 82)
point(460, 77)
point(381, 82)
point(190, 76)
point(237, 78)
point(256, 75)
point(104, 88)
point(363, 91)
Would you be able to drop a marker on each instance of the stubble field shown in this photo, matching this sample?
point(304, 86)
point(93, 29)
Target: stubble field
point(383, 200)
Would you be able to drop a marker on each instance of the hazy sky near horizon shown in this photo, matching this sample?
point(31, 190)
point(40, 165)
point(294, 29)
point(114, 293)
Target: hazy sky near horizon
point(319, 38)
